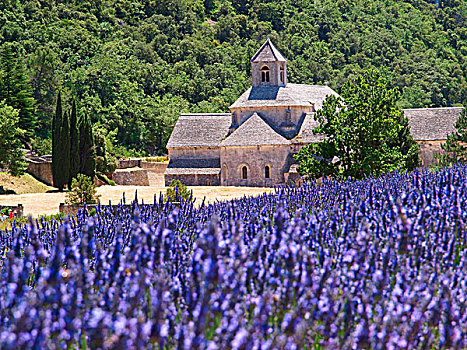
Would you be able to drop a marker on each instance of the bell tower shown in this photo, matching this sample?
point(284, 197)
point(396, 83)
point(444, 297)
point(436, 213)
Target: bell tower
point(268, 66)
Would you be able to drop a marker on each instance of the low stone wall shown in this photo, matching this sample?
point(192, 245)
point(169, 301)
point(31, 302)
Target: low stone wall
point(137, 177)
point(140, 163)
point(41, 171)
point(128, 163)
point(18, 210)
point(153, 166)
point(194, 179)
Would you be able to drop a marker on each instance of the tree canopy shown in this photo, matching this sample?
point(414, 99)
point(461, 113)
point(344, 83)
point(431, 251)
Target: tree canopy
point(11, 154)
point(364, 133)
point(134, 65)
point(455, 147)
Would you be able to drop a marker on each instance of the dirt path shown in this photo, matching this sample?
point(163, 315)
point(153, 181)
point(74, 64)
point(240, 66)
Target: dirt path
point(47, 203)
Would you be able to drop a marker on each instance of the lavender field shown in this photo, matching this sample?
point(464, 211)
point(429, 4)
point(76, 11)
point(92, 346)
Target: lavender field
point(373, 264)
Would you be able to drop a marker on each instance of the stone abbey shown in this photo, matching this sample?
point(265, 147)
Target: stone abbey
point(253, 145)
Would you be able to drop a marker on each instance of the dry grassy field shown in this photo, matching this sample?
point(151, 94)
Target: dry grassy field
point(36, 204)
point(22, 184)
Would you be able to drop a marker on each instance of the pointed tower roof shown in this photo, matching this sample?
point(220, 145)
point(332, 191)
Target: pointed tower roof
point(268, 53)
point(253, 132)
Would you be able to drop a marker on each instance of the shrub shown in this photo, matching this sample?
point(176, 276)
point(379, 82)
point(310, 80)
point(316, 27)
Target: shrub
point(6, 191)
point(104, 178)
point(178, 191)
point(83, 190)
point(157, 159)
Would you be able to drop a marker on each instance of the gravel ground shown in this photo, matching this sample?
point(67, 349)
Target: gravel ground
point(36, 204)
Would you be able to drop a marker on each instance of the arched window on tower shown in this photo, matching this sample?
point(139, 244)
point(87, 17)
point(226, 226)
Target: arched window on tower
point(265, 74)
point(282, 73)
point(267, 172)
point(244, 173)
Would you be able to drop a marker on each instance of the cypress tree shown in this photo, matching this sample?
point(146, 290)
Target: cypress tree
point(63, 153)
point(74, 145)
point(86, 147)
point(56, 123)
point(16, 90)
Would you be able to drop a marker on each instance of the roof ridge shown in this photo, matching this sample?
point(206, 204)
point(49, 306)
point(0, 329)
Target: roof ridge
point(263, 132)
point(203, 114)
point(430, 108)
point(275, 52)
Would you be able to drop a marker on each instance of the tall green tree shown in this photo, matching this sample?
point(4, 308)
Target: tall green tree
point(364, 133)
point(11, 153)
point(43, 65)
point(63, 153)
point(56, 125)
point(455, 147)
point(106, 163)
point(16, 90)
point(86, 147)
point(74, 144)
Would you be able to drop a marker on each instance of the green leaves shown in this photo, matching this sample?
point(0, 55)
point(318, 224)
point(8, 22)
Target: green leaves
point(83, 190)
point(364, 133)
point(455, 147)
point(11, 154)
point(117, 57)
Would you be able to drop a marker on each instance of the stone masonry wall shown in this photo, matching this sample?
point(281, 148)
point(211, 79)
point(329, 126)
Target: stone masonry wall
point(428, 150)
point(194, 152)
point(154, 167)
point(42, 171)
point(136, 177)
point(255, 158)
point(194, 179)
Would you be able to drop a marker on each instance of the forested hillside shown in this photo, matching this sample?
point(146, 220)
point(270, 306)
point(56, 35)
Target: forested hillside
point(133, 65)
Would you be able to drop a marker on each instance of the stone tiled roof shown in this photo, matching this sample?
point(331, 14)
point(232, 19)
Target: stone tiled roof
point(429, 124)
point(305, 135)
point(198, 130)
point(289, 95)
point(254, 131)
point(192, 171)
point(268, 53)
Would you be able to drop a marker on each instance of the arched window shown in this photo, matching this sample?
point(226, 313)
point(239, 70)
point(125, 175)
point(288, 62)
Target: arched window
point(244, 173)
point(265, 74)
point(267, 172)
point(282, 74)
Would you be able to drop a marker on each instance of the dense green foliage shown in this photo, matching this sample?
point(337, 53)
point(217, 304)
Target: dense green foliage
point(177, 191)
point(56, 123)
point(105, 162)
point(73, 149)
point(87, 151)
point(11, 155)
point(364, 133)
point(83, 190)
point(455, 147)
point(74, 144)
point(62, 159)
point(16, 90)
point(134, 65)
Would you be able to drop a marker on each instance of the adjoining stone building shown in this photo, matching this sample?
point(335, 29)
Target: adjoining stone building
point(253, 145)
